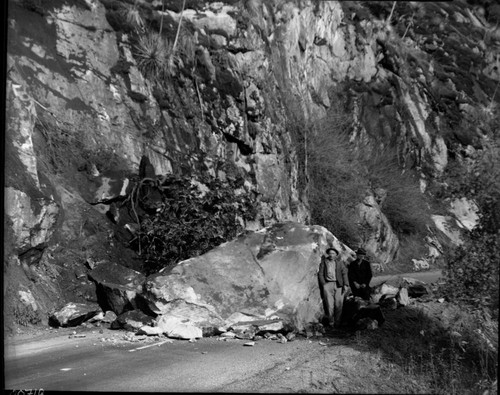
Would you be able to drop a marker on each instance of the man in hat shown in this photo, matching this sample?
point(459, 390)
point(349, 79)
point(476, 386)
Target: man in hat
point(334, 283)
point(360, 275)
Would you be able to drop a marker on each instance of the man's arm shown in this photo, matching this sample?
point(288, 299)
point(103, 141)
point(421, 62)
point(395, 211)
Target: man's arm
point(344, 275)
point(370, 273)
point(321, 272)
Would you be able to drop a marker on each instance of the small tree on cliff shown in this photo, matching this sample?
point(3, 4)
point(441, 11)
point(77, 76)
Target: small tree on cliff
point(472, 275)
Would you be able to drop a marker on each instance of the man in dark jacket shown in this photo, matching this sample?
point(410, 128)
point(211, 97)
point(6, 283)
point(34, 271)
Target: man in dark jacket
point(360, 275)
point(333, 281)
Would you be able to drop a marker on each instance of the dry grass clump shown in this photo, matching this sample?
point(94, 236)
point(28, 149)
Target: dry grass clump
point(151, 53)
point(405, 206)
point(187, 47)
point(132, 14)
point(342, 172)
point(159, 57)
point(336, 183)
point(60, 146)
point(410, 247)
point(154, 56)
point(450, 350)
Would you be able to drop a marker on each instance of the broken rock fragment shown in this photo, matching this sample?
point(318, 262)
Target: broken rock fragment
point(175, 327)
point(132, 320)
point(73, 314)
point(245, 331)
point(116, 286)
point(149, 331)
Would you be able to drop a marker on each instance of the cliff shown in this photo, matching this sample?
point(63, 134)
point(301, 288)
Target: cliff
point(233, 91)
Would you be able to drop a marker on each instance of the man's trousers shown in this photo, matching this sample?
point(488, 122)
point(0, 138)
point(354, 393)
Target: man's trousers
point(333, 300)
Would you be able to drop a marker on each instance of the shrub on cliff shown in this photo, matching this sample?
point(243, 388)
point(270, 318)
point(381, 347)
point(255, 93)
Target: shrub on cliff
point(151, 52)
point(340, 174)
point(405, 206)
point(472, 275)
point(187, 218)
point(336, 184)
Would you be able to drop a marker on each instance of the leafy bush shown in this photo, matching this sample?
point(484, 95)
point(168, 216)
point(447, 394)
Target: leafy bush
point(25, 316)
point(483, 184)
point(132, 15)
point(189, 221)
point(472, 275)
point(446, 358)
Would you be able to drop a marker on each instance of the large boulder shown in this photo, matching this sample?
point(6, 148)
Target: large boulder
point(267, 273)
point(74, 314)
point(117, 286)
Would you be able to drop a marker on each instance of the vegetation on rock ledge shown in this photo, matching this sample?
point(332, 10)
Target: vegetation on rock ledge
point(185, 218)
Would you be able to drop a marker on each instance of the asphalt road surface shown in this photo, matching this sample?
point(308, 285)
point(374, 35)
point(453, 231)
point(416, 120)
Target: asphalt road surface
point(89, 364)
point(428, 277)
point(104, 361)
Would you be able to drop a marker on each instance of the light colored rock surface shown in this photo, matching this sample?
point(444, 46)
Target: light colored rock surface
point(466, 212)
point(449, 227)
point(402, 297)
point(22, 111)
point(31, 227)
point(73, 314)
point(384, 290)
point(378, 238)
point(149, 330)
point(177, 327)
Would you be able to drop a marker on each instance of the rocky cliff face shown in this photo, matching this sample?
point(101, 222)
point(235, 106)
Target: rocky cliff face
point(81, 114)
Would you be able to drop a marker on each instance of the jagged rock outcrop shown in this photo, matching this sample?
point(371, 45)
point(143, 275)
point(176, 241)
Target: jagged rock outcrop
point(29, 208)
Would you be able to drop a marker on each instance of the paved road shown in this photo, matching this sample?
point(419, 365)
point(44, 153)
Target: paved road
point(88, 364)
point(428, 277)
